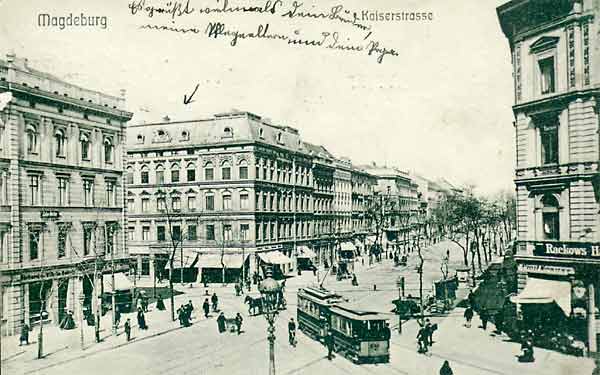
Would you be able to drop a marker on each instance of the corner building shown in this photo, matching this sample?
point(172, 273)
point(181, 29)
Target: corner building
point(61, 194)
point(555, 47)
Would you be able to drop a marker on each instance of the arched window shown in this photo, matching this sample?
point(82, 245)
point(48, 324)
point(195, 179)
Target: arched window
point(32, 138)
point(226, 171)
point(243, 170)
point(174, 172)
point(226, 200)
point(140, 139)
point(108, 150)
point(130, 175)
point(261, 133)
point(59, 142)
point(160, 174)
point(191, 172)
point(227, 132)
point(280, 138)
point(84, 140)
point(550, 217)
point(144, 174)
point(209, 173)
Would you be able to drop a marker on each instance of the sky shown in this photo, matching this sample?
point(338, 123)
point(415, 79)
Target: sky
point(440, 106)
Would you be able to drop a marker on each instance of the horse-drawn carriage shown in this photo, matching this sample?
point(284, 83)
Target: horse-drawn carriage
point(361, 336)
point(255, 303)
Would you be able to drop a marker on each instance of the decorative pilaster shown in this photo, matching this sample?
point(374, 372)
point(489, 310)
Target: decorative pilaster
point(586, 52)
point(517, 71)
point(571, 55)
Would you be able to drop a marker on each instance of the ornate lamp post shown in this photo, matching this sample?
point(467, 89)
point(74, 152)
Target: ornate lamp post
point(270, 291)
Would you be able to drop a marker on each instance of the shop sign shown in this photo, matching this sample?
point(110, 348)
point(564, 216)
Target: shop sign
point(49, 215)
point(546, 269)
point(568, 250)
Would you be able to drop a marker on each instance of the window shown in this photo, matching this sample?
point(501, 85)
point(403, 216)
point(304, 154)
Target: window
point(34, 189)
point(176, 232)
point(130, 176)
point(192, 233)
point(3, 247)
point(131, 205)
point(144, 175)
point(227, 235)
point(131, 233)
point(84, 141)
point(174, 173)
point(160, 203)
point(87, 239)
point(111, 197)
point(272, 231)
point(176, 201)
point(243, 170)
point(547, 75)
point(88, 192)
point(227, 132)
point(59, 142)
point(63, 191)
point(61, 243)
point(226, 171)
point(160, 175)
point(208, 172)
point(145, 204)
point(191, 172)
point(244, 230)
point(550, 217)
point(244, 200)
point(32, 139)
point(108, 150)
point(34, 241)
point(226, 201)
point(145, 233)
point(160, 233)
point(191, 202)
point(145, 271)
point(549, 140)
point(261, 133)
point(210, 232)
point(210, 202)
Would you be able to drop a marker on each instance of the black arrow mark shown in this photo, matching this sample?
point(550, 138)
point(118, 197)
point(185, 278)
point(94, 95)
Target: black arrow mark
point(189, 100)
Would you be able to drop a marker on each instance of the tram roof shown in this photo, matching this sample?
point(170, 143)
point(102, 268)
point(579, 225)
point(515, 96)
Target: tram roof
point(354, 314)
point(320, 293)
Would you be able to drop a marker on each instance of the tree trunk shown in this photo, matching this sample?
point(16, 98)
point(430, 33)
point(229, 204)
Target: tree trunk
point(171, 288)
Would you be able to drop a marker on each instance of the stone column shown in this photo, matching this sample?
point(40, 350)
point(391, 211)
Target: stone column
point(592, 339)
point(15, 308)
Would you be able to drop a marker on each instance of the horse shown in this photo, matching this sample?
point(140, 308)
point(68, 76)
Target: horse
point(253, 305)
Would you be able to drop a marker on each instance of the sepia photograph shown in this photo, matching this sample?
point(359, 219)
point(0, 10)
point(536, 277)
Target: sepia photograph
point(241, 187)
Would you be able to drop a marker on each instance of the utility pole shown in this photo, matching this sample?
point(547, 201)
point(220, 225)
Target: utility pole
point(400, 284)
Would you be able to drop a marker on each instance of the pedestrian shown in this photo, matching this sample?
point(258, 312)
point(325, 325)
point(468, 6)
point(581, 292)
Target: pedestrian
point(483, 315)
point(141, 318)
point(24, 338)
point(145, 303)
point(314, 271)
point(238, 322)
point(468, 316)
point(329, 342)
point(160, 305)
point(190, 309)
point(471, 299)
point(215, 301)
point(429, 330)
point(422, 337)
point(128, 329)
point(180, 315)
point(206, 307)
point(446, 370)
point(292, 332)
point(498, 321)
point(237, 289)
point(221, 323)
point(117, 316)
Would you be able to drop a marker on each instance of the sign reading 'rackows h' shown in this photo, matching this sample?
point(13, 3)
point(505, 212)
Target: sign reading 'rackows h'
point(568, 250)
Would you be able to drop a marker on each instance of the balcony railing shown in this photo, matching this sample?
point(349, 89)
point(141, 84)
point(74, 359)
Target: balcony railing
point(556, 170)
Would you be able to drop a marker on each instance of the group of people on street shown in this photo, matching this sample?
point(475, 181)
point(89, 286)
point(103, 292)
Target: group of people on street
point(184, 314)
point(222, 323)
point(425, 335)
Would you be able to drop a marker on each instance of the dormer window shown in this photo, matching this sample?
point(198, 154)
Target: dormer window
point(140, 139)
point(279, 138)
point(161, 133)
point(227, 132)
point(261, 133)
point(185, 135)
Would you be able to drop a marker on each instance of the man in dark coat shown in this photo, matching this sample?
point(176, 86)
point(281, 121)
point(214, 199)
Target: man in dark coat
point(329, 342)
point(141, 318)
point(221, 323)
point(160, 305)
point(24, 338)
point(422, 339)
point(483, 315)
point(206, 307)
point(128, 329)
point(292, 332)
point(238, 322)
point(190, 309)
point(215, 301)
point(468, 316)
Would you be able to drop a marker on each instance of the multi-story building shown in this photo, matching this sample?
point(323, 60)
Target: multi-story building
point(363, 185)
point(61, 193)
point(399, 196)
point(342, 201)
point(556, 73)
point(247, 192)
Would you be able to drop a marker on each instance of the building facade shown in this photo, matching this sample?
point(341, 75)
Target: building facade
point(556, 73)
point(61, 194)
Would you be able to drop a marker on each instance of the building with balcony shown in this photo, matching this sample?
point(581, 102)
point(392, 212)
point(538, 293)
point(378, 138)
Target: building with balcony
point(556, 73)
point(61, 194)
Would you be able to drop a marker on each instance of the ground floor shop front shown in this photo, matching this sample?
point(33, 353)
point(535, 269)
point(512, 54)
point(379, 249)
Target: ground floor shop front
point(559, 298)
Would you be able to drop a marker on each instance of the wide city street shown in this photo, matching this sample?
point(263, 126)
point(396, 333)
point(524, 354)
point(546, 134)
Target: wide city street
point(200, 349)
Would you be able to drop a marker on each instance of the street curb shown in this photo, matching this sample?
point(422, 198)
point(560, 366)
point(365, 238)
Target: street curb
point(89, 354)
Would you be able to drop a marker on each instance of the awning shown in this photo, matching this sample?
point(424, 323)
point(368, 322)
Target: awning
point(190, 258)
point(121, 282)
point(539, 290)
point(305, 252)
point(214, 260)
point(347, 246)
point(274, 257)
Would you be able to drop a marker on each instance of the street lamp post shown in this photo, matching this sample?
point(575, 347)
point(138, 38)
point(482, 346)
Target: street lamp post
point(270, 291)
